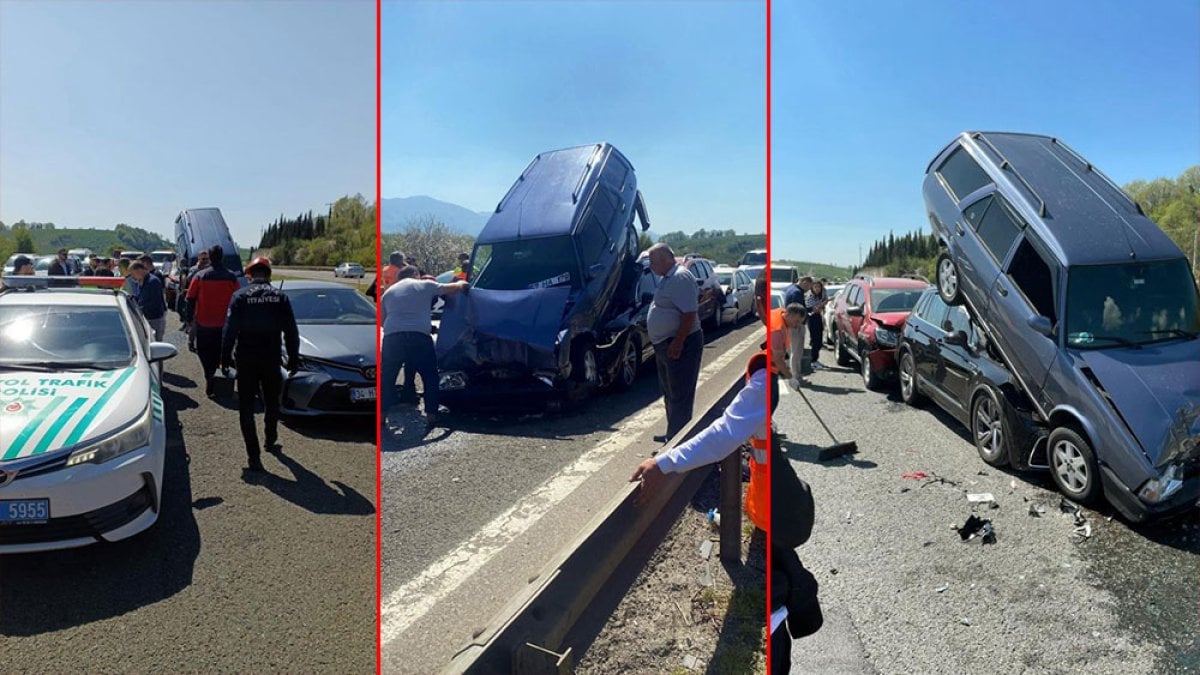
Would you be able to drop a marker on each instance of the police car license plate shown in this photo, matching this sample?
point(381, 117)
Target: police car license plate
point(24, 511)
point(363, 394)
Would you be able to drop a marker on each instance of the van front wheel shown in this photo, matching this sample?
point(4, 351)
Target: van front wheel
point(947, 280)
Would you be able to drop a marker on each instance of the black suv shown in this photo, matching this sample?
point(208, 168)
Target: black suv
point(943, 355)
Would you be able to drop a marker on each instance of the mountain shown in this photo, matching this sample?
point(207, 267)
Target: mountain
point(397, 211)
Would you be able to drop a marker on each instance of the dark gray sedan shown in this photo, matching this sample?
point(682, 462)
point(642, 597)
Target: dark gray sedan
point(337, 350)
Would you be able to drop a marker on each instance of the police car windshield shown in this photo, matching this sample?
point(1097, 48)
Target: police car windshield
point(330, 305)
point(65, 336)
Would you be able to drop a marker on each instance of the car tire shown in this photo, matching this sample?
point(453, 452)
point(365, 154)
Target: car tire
point(988, 429)
point(870, 380)
point(949, 284)
point(631, 364)
point(909, 390)
point(584, 371)
point(843, 354)
point(1073, 465)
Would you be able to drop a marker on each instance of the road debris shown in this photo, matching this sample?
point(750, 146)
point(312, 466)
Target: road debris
point(706, 549)
point(690, 662)
point(966, 621)
point(977, 527)
point(915, 475)
point(1036, 510)
point(942, 588)
point(981, 498)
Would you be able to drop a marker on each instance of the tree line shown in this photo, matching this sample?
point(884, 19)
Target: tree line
point(45, 238)
point(345, 234)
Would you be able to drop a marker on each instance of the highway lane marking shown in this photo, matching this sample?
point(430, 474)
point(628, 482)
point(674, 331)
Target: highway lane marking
point(406, 605)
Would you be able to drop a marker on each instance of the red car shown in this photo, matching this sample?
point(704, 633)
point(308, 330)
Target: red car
point(869, 316)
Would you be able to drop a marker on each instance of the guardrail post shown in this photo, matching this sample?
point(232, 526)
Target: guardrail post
point(731, 508)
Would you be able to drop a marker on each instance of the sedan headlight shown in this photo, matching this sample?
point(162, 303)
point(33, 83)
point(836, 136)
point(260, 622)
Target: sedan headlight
point(886, 338)
point(1158, 489)
point(133, 437)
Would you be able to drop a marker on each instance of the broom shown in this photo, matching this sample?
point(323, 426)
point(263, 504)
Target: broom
point(835, 450)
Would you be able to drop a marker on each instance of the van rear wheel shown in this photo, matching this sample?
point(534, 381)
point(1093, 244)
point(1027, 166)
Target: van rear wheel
point(947, 280)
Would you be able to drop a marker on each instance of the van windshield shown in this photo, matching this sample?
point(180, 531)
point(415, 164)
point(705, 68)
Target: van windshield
point(526, 264)
point(1131, 303)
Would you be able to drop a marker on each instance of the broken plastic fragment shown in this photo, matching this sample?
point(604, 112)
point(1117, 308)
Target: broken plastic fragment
point(978, 527)
point(915, 475)
point(980, 497)
point(1036, 510)
point(942, 588)
point(965, 621)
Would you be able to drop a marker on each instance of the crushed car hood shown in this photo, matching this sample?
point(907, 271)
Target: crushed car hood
point(502, 328)
point(891, 319)
point(352, 344)
point(44, 412)
point(1157, 390)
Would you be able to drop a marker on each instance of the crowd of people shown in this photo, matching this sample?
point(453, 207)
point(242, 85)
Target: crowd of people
point(235, 329)
point(804, 310)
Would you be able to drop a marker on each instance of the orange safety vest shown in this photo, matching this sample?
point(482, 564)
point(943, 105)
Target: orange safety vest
point(389, 276)
point(757, 496)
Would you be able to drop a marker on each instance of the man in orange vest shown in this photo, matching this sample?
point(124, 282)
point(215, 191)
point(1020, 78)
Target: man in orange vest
point(390, 274)
point(464, 261)
point(747, 418)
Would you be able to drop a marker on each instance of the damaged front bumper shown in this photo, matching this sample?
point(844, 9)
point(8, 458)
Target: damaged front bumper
point(501, 388)
point(1185, 495)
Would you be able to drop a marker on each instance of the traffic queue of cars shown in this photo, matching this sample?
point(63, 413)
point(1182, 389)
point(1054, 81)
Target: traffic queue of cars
point(1063, 328)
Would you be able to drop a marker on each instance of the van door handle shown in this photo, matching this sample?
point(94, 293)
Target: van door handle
point(1001, 288)
point(959, 228)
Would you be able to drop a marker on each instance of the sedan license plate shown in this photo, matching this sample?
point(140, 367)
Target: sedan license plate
point(363, 394)
point(24, 511)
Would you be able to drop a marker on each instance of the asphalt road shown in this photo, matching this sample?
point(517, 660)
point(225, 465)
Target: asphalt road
point(240, 574)
point(1038, 600)
point(472, 513)
point(323, 275)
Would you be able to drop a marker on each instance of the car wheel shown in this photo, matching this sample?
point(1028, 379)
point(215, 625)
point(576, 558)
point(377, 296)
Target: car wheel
point(987, 428)
point(631, 362)
point(584, 370)
point(908, 379)
point(843, 354)
point(947, 280)
point(1073, 465)
point(870, 379)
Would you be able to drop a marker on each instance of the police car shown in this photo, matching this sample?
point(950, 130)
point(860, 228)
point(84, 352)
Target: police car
point(82, 437)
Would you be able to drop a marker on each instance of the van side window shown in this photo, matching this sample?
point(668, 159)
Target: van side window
point(1029, 271)
point(962, 174)
point(974, 212)
point(593, 240)
point(998, 230)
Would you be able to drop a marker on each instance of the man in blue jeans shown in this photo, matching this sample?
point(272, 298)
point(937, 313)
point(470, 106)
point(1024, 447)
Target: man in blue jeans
point(406, 310)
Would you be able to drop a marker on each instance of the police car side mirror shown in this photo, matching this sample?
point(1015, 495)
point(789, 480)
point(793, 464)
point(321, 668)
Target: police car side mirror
point(161, 351)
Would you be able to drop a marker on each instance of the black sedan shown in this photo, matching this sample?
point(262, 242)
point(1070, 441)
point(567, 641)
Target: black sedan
point(944, 356)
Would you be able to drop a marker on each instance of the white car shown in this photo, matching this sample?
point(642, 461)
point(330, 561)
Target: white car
point(349, 270)
point(82, 434)
point(738, 288)
point(832, 291)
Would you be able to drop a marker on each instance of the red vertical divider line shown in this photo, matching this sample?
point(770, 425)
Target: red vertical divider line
point(767, 271)
point(378, 329)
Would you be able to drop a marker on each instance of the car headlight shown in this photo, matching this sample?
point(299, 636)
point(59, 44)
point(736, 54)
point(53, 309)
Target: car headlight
point(133, 437)
point(886, 338)
point(1158, 489)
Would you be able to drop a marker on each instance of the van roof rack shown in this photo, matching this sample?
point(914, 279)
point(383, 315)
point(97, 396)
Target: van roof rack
point(1090, 167)
point(1005, 164)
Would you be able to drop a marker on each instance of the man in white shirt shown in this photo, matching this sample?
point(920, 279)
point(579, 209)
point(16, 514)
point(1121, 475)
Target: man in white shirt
point(405, 309)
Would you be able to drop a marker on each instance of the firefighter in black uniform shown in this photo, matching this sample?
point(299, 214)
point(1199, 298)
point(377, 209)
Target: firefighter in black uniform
point(258, 315)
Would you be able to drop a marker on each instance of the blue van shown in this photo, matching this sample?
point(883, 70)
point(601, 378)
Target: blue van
point(1093, 309)
point(554, 285)
point(201, 229)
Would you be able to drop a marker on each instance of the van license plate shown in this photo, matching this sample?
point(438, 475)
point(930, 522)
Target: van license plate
point(24, 511)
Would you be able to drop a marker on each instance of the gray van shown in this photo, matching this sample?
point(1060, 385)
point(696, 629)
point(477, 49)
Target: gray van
point(201, 229)
point(1093, 309)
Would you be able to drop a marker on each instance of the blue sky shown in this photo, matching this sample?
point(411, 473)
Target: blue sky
point(473, 90)
point(130, 112)
point(863, 99)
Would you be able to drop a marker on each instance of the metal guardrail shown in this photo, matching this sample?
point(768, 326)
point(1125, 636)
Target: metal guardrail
point(528, 636)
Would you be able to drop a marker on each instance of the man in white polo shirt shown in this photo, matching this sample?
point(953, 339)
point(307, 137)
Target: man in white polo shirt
point(674, 329)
